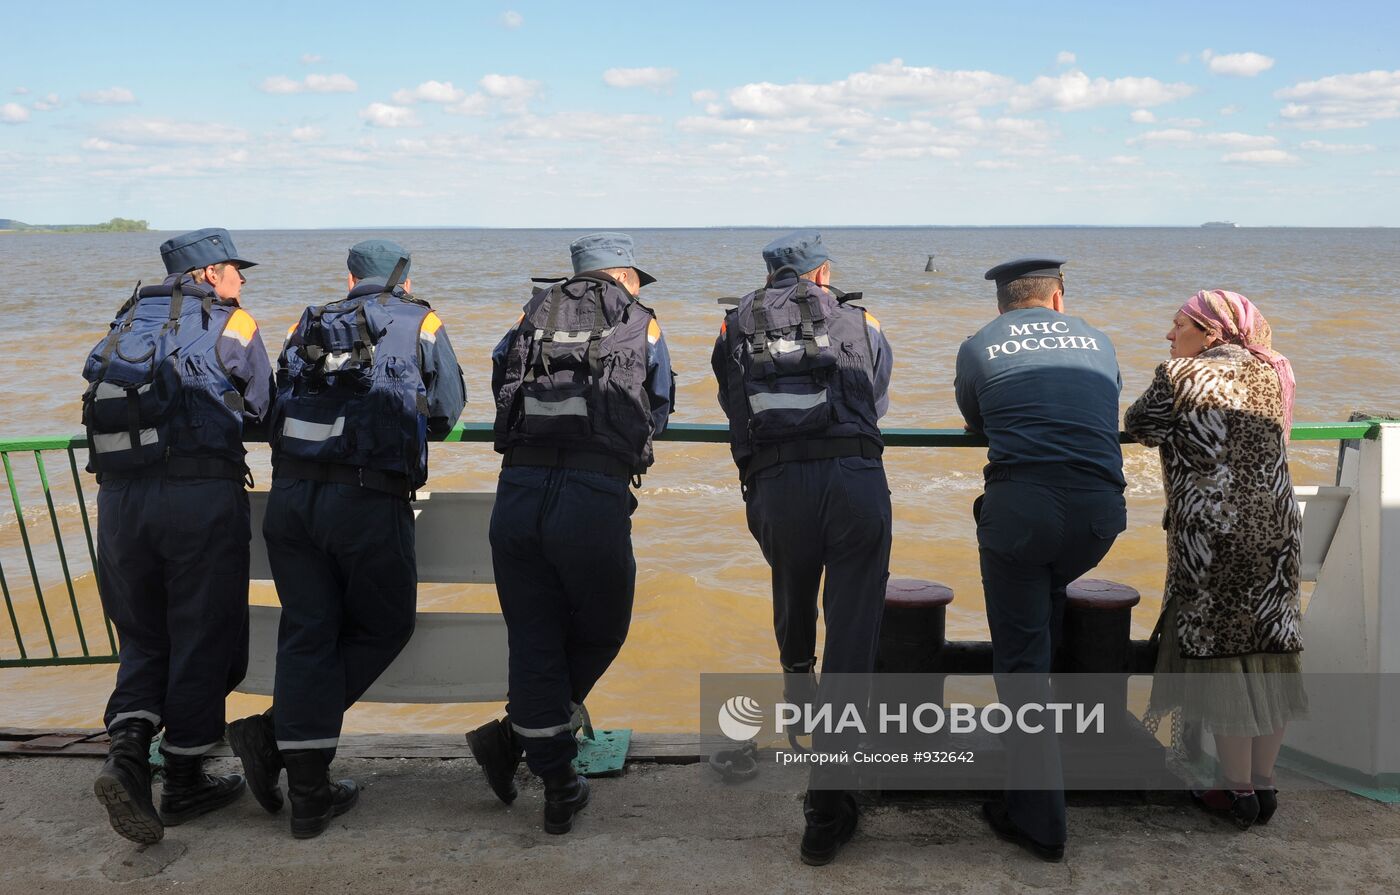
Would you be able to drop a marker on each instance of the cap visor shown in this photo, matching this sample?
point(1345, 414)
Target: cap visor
point(242, 264)
point(643, 277)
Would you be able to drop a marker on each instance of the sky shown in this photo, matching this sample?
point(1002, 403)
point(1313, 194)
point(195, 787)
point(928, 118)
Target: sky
point(540, 114)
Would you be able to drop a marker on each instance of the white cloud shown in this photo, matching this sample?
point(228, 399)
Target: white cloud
point(385, 115)
point(513, 91)
point(1074, 90)
point(1239, 65)
point(1125, 160)
point(1339, 148)
point(509, 87)
point(13, 113)
point(310, 59)
point(47, 104)
point(1229, 110)
point(97, 144)
point(168, 132)
point(650, 78)
point(1142, 116)
point(1261, 157)
point(704, 96)
point(306, 134)
point(111, 96)
point(580, 126)
point(1343, 101)
point(1064, 57)
point(430, 92)
point(1182, 137)
point(1185, 122)
point(310, 84)
point(20, 91)
point(512, 19)
point(743, 127)
point(995, 165)
point(471, 104)
point(890, 83)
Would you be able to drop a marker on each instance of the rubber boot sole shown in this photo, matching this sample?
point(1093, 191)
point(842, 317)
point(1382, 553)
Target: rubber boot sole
point(126, 816)
point(174, 819)
point(267, 792)
point(560, 827)
point(311, 827)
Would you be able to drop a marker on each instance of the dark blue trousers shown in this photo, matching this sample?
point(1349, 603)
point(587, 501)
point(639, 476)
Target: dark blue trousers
point(561, 548)
point(172, 566)
point(344, 563)
point(831, 517)
point(1033, 541)
point(825, 516)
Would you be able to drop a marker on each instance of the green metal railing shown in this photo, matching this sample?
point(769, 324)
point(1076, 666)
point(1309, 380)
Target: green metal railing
point(98, 652)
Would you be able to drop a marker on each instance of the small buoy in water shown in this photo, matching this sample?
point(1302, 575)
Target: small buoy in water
point(929, 268)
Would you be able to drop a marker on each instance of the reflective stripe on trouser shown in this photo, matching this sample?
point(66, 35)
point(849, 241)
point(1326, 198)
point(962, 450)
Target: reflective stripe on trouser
point(561, 549)
point(343, 560)
point(825, 517)
point(172, 562)
point(1033, 541)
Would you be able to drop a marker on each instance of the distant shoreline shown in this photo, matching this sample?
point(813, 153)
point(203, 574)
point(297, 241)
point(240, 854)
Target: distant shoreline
point(115, 225)
point(105, 228)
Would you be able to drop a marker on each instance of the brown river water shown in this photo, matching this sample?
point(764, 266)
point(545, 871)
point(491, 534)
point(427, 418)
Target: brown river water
point(702, 601)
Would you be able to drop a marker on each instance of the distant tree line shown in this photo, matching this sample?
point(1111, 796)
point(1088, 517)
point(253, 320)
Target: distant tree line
point(115, 225)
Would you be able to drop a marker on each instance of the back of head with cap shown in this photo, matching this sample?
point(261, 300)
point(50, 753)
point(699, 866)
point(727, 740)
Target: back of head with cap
point(1027, 282)
point(375, 259)
point(199, 249)
point(801, 250)
point(606, 251)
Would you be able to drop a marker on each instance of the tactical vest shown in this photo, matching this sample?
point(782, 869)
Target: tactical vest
point(159, 398)
point(352, 393)
point(801, 367)
point(575, 375)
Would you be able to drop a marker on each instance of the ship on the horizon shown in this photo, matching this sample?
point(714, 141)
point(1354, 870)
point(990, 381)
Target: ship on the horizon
point(1218, 225)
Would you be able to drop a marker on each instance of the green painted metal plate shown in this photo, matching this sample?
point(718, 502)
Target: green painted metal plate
point(605, 754)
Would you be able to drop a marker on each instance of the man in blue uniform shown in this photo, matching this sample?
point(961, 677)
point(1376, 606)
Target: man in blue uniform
point(804, 378)
point(1043, 387)
point(583, 382)
point(172, 386)
point(361, 382)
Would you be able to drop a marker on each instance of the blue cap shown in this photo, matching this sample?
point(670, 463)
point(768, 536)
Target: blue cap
point(801, 250)
point(1025, 267)
point(200, 248)
point(602, 251)
point(374, 259)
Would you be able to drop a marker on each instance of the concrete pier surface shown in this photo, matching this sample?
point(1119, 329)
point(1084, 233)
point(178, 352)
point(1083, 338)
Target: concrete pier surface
point(431, 825)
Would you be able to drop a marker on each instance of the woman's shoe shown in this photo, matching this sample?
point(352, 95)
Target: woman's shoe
point(1268, 798)
point(1240, 805)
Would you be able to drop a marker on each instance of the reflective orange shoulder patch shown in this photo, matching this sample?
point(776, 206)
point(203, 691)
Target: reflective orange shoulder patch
point(431, 323)
point(871, 321)
point(241, 326)
point(653, 330)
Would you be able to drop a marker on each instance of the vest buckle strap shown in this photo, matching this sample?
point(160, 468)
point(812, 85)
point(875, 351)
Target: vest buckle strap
point(810, 449)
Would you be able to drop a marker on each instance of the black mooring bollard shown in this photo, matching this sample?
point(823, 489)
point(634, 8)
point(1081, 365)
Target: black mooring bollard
point(912, 631)
point(1096, 640)
point(911, 637)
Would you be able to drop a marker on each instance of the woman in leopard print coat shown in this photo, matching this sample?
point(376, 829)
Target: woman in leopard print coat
point(1219, 412)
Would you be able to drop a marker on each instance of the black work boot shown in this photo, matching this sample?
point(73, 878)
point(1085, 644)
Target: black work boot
point(315, 799)
point(252, 739)
point(565, 794)
point(831, 822)
point(123, 786)
point(496, 749)
point(189, 792)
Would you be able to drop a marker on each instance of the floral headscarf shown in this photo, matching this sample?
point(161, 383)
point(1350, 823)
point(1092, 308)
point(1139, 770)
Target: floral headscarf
point(1234, 320)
